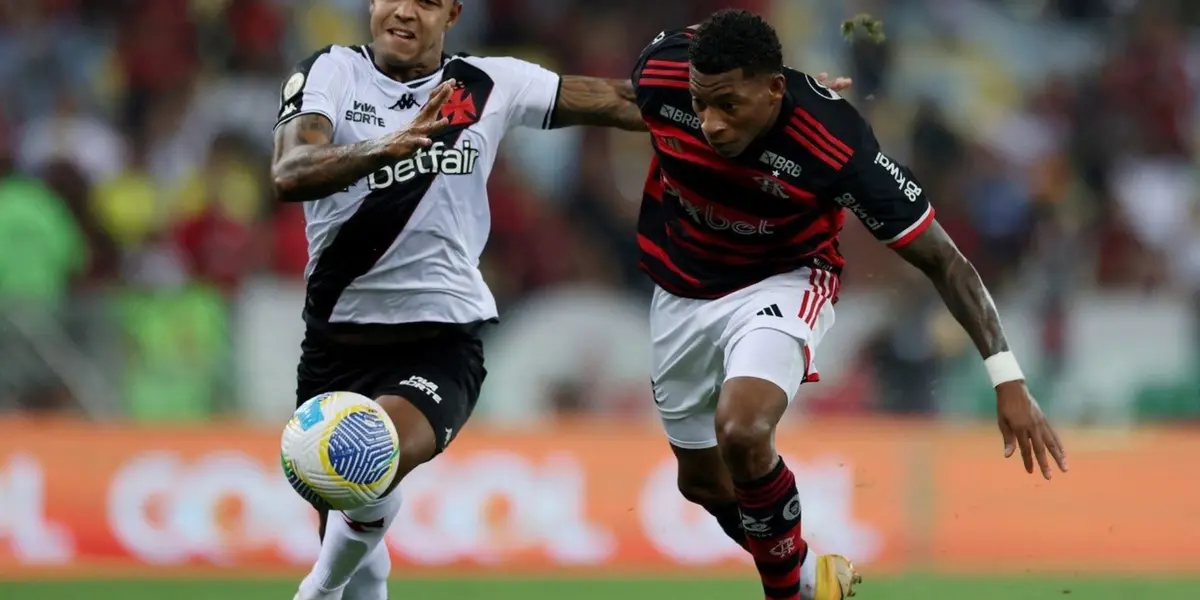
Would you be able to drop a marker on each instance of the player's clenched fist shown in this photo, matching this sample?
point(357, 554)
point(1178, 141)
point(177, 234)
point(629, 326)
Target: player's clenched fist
point(419, 134)
point(1023, 425)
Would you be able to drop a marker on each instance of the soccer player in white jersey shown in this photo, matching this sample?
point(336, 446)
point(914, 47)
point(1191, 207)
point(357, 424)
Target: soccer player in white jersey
point(389, 145)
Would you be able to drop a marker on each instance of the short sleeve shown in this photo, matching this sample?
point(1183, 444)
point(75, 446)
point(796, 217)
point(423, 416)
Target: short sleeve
point(530, 90)
point(662, 65)
point(884, 194)
point(317, 85)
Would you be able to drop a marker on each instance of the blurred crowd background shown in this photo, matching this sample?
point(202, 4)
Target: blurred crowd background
point(146, 265)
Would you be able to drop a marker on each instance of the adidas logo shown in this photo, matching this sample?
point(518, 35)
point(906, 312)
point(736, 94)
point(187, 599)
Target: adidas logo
point(770, 311)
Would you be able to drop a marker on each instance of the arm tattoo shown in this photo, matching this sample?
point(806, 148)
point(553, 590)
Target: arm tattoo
point(307, 165)
point(934, 253)
point(601, 102)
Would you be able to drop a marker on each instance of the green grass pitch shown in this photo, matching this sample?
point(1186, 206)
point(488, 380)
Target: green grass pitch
point(893, 588)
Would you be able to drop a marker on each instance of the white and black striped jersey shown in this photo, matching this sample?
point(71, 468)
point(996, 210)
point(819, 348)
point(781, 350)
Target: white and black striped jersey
point(403, 244)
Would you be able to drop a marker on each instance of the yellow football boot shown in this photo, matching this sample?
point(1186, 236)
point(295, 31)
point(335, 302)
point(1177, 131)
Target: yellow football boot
point(836, 578)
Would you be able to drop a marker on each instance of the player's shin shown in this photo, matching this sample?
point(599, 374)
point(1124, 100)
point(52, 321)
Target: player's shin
point(369, 582)
point(350, 539)
point(770, 508)
point(704, 480)
point(766, 489)
point(729, 517)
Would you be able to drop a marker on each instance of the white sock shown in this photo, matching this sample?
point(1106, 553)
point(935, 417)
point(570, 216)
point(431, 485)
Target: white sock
point(346, 547)
point(369, 582)
point(808, 575)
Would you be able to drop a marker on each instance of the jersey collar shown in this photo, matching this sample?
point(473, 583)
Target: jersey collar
point(369, 52)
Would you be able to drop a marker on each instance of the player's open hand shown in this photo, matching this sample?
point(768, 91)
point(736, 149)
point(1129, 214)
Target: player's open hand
point(419, 134)
point(1023, 425)
point(840, 84)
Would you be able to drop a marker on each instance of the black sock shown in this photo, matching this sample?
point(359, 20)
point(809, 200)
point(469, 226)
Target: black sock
point(729, 517)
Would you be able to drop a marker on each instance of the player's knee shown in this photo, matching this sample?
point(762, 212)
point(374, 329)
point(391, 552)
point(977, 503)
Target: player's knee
point(743, 437)
point(747, 412)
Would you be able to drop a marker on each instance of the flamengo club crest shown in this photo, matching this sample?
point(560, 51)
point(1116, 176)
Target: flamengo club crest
point(770, 185)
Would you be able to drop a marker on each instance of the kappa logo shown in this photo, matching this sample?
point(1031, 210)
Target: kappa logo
point(406, 102)
point(460, 108)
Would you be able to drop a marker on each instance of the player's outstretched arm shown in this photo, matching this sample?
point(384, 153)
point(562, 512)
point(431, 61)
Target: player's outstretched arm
point(599, 102)
point(613, 102)
point(307, 165)
point(934, 253)
point(1020, 418)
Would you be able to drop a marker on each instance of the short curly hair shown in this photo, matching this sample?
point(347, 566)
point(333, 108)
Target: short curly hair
point(736, 39)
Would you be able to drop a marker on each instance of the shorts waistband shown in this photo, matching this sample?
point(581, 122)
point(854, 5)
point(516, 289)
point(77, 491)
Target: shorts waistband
point(391, 333)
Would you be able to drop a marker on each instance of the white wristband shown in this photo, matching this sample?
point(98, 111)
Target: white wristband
point(1003, 368)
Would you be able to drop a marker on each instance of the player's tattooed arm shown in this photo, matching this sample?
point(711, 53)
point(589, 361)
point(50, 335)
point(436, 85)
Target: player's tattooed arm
point(1022, 423)
point(600, 102)
point(307, 165)
point(934, 253)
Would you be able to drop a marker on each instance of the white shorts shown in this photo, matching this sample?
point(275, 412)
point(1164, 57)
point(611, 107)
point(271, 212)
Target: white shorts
point(769, 330)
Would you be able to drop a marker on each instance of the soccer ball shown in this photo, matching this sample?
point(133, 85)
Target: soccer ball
point(340, 451)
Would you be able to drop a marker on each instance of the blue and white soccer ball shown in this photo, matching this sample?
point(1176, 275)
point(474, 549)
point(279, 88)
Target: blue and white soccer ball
point(340, 451)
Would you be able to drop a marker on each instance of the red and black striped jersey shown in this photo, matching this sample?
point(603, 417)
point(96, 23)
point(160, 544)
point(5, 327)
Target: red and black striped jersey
point(711, 225)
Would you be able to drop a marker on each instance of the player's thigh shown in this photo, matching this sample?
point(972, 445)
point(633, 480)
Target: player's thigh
point(773, 331)
point(764, 369)
point(686, 371)
point(428, 387)
point(433, 387)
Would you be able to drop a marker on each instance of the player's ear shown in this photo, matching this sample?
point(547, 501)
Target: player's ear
point(455, 11)
point(777, 86)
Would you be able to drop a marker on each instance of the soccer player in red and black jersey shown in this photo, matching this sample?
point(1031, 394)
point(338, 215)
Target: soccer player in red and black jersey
point(755, 168)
